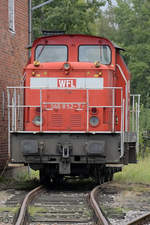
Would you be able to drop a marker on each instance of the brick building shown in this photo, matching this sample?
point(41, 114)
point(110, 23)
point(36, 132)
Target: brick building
point(13, 56)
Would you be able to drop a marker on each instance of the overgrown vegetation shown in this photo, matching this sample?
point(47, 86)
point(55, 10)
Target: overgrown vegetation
point(135, 173)
point(22, 180)
point(9, 209)
point(34, 210)
point(144, 148)
point(114, 212)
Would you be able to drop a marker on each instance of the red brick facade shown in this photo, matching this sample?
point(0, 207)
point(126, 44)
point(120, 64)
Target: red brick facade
point(13, 56)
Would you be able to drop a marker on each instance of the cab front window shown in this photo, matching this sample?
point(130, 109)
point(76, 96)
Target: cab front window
point(94, 53)
point(51, 53)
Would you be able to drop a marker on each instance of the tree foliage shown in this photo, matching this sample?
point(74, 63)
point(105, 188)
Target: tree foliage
point(71, 16)
point(128, 24)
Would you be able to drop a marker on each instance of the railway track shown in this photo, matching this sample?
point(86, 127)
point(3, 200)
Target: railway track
point(55, 207)
point(10, 201)
point(60, 207)
point(22, 215)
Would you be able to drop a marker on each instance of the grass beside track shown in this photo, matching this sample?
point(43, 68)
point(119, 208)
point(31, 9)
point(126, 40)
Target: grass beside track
point(135, 173)
point(21, 179)
point(131, 174)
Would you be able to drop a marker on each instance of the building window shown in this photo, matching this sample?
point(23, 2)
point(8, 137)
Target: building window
point(11, 15)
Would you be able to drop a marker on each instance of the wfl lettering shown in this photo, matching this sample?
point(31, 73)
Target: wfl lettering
point(66, 83)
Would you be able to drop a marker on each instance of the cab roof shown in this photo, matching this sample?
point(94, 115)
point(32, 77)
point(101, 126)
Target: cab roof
point(38, 40)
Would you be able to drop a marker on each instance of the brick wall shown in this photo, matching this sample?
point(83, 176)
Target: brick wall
point(13, 56)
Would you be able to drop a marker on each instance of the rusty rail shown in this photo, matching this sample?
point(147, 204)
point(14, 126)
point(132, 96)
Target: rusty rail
point(141, 220)
point(22, 213)
point(101, 220)
point(21, 219)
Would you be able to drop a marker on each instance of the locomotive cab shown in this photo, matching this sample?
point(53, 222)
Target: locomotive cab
point(73, 109)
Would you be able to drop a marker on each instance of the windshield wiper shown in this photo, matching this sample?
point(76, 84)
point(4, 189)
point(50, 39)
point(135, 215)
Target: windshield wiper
point(41, 51)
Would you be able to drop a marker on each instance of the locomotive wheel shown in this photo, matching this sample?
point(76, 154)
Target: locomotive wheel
point(58, 179)
point(111, 177)
point(108, 174)
point(44, 178)
point(111, 174)
point(99, 178)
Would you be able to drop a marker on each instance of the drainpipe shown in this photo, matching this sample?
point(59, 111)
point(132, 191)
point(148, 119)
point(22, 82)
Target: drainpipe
point(30, 22)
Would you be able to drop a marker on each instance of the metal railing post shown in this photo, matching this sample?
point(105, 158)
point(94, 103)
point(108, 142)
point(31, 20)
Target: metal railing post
point(8, 94)
point(15, 110)
point(122, 130)
point(113, 110)
point(133, 111)
point(87, 96)
point(12, 114)
point(41, 119)
point(126, 96)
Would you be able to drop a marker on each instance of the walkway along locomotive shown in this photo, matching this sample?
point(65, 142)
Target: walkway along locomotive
point(71, 116)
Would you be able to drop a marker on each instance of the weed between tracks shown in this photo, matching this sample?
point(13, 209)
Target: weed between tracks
point(9, 209)
point(33, 210)
point(117, 212)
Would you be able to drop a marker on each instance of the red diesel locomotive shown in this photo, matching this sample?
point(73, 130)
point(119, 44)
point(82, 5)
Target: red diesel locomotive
point(71, 115)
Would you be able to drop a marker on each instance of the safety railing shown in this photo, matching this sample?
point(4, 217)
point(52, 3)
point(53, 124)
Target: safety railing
point(16, 106)
point(134, 115)
point(16, 109)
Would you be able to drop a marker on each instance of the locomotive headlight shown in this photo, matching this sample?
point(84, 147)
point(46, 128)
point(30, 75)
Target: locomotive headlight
point(94, 121)
point(66, 66)
point(37, 121)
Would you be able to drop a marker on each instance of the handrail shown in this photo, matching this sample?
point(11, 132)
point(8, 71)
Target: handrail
point(122, 130)
point(15, 105)
point(135, 112)
point(126, 97)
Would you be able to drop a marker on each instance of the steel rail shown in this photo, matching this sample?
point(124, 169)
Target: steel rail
point(101, 220)
point(22, 213)
point(141, 220)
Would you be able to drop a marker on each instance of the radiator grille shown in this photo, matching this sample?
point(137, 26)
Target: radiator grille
point(76, 120)
point(57, 120)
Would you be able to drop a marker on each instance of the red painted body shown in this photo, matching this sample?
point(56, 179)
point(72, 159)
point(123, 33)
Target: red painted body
point(66, 109)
